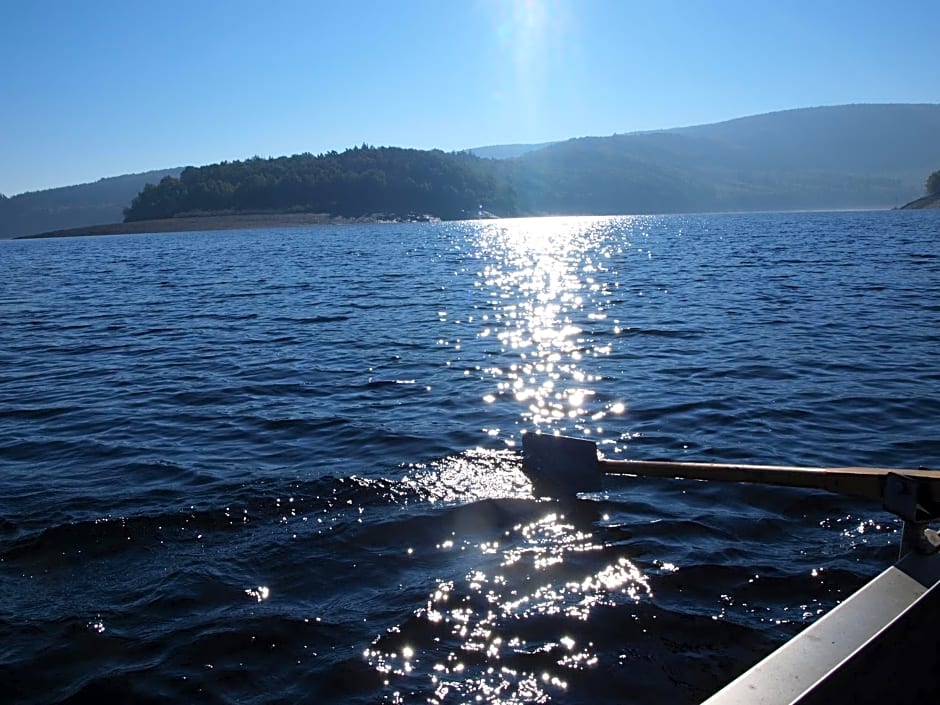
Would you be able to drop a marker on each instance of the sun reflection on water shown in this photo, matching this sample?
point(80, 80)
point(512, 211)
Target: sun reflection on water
point(515, 628)
point(499, 635)
point(546, 284)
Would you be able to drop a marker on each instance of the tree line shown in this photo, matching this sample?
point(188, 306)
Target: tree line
point(361, 181)
point(933, 184)
point(806, 159)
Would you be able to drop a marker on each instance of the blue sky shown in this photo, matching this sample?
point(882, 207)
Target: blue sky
point(106, 87)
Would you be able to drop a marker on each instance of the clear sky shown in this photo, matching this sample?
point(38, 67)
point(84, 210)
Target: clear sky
point(106, 87)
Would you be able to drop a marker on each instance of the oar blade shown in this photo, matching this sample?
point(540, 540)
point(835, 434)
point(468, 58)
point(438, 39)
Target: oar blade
point(560, 466)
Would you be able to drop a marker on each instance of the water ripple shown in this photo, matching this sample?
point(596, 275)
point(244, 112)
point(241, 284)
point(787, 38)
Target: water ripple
point(283, 465)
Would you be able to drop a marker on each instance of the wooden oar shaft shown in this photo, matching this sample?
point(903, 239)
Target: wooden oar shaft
point(560, 466)
point(858, 482)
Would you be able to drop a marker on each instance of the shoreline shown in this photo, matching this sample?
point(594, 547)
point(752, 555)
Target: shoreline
point(247, 221)
point(258, 221)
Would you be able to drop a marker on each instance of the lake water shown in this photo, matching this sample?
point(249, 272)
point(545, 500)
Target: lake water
point(283, 466)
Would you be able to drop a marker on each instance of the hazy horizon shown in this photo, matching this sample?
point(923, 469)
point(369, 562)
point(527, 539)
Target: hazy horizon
point(116, 89)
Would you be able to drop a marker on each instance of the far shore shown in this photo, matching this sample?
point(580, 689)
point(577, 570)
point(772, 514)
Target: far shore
point(259, 221)
point(931, 202)
point(252, 221)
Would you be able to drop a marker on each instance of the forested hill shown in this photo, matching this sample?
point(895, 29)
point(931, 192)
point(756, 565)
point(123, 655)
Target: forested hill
point(360, 181)
point(71, 206)
point(849, 156)
point(853, 156)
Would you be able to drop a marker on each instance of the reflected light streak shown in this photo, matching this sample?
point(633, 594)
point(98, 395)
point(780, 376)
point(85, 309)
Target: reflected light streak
point(474, 637)
point(545, 306)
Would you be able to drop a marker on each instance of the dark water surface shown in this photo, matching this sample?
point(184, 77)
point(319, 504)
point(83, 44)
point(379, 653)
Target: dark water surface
point(282, 466)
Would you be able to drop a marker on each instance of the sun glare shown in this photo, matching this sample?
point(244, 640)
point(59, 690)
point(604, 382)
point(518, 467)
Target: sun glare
point(532, 39)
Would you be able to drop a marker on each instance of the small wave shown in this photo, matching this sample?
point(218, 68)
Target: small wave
point(246, 507)
point(661, 333)
point(306, 320)
point(37, 414)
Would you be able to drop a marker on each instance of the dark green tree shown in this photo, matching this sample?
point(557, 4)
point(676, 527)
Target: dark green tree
point(361, 181)
point(162, 201)
point(933, 184)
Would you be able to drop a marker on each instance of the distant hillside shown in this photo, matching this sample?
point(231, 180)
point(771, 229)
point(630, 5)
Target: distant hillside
point(878, 139)
point(507, 151)
point(850, 156)
point(854, 156)
point(73, 206)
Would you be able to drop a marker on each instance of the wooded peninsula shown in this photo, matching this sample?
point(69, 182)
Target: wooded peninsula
point(358, 182)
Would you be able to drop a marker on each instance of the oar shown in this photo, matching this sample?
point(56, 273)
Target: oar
point(560, 466)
